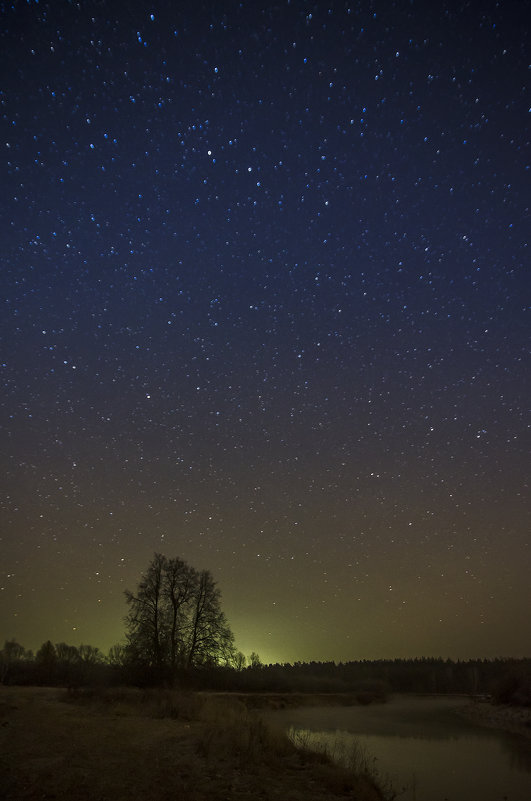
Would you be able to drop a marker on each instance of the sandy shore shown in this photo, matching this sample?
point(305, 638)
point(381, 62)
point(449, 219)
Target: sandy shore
point(516, 719)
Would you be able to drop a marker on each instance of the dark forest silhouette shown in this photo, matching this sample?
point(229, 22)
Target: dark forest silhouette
point(507, 680)
point(177, 634)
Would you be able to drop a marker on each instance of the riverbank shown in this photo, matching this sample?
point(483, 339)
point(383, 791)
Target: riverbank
point(515, 719)
point(273, 701)
point(129, 745)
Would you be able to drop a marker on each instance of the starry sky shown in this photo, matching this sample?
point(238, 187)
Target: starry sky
point(264, 274)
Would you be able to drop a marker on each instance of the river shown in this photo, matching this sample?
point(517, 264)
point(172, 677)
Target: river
point(420, 744)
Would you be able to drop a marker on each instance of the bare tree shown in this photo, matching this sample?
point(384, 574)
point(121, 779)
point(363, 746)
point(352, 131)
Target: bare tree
point(211, 640)
point(145, 621)
point(90, 655)
point(175, 619)
point(117, 656)
point(67, 654)
point(68, 669)
point(255, 661)
point(240, 661)
point(180, 585)
point(46, 662)
point(10, 655)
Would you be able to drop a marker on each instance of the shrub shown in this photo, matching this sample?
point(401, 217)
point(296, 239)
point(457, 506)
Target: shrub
point(513, 688)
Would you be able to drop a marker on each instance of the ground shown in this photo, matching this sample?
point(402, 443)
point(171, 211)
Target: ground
point(56, 747)
point(516, 719)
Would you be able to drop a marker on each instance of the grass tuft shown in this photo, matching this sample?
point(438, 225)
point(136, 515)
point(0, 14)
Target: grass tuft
point(346, 766)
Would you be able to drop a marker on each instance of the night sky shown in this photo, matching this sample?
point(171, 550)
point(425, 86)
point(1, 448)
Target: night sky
point(263, 279)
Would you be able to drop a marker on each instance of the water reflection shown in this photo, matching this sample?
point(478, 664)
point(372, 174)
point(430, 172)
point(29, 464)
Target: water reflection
point(426, 749)
point(518, 751)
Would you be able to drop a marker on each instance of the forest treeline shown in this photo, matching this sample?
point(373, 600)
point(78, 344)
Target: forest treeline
point(177, 635)
point(506, 680)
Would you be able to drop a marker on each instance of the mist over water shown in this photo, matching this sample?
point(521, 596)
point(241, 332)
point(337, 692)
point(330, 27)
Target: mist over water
point(423, 747)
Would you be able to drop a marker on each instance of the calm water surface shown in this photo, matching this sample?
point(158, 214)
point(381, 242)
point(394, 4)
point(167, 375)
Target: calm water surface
point(423, 747)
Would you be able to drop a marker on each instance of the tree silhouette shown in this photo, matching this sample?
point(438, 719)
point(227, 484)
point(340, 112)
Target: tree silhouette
point(211, 640)
point(180, 581)
point(11, 654)
point(175, 619)
point(144, 621)
point(46, 662)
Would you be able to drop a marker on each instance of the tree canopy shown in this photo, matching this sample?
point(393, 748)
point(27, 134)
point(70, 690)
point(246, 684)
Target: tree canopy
point(175, 619)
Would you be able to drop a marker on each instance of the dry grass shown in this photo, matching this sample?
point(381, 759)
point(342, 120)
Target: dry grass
point(359, 767)
point(155, 745)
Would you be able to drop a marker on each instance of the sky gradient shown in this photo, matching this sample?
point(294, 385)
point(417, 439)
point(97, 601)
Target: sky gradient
point(264, 281)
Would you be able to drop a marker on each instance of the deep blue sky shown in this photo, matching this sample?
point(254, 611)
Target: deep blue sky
point(264, 281)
